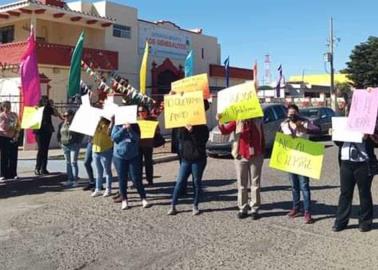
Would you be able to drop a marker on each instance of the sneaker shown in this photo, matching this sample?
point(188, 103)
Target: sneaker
point(96, 193)
point(146, 204)
point(293, 213)
point(242, 215)
point(107, 193)
point(124, 205)
point(195, 211)
point(172, 211)
point(37, 172)
point(75, 184)
point(364, 227)
point(338, 228)
point(45, 172)
point(89, 187)
point(255, 215)
point(16, 178)
point(307, 218)
point(2, 178)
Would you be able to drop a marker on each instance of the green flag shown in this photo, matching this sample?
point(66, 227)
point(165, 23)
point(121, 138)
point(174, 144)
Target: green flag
point(75, 69)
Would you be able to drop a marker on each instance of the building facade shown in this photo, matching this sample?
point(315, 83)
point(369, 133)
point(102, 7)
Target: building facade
point(114, 41)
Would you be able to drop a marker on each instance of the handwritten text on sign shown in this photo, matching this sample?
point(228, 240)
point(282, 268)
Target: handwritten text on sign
point(194, 83)
point(297, 155)
point(363, 114)
point(239, 102)
point(184, 109)
point(32, 117)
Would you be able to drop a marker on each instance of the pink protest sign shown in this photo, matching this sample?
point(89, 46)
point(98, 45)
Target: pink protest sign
point(363, 112)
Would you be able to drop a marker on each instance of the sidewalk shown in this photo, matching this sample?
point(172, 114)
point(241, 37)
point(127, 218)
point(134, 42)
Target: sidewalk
point(161, 154)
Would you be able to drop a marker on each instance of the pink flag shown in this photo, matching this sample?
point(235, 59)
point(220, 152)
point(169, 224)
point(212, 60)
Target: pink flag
point(31, 88)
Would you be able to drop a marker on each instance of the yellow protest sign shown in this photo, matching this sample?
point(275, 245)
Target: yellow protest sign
point(242, 110)
point(147, 128)
point(184, 109)
point(239, 102)
point(32, 117)
point(297, 155)
point(193, 83)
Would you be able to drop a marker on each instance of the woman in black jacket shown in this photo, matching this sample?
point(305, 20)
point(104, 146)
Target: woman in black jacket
point(354, 170)
point(43, 135)
point(192, 140)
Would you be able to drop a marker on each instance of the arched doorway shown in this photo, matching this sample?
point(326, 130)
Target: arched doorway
point(163, 76)
point(164, 81)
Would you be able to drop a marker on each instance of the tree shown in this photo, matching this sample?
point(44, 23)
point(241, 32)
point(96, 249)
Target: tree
point(362, 69)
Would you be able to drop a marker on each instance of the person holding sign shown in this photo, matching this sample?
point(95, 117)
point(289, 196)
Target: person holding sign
point(355, 169)
point(248, 152)
point(9, 133)
point(297, 127)
point(192, 141)
point(146, 146)
point(102, 148)
point(70, 143)
point(126, 160)
point(43, 135)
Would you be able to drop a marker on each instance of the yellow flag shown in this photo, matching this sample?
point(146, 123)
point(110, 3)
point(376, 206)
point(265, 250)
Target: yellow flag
point(143, 70)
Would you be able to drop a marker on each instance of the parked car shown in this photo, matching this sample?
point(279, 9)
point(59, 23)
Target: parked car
point(320, 117)
point(274, 114)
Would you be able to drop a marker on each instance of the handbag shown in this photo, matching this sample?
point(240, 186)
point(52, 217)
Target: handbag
point(158, 140)
point(372, 163)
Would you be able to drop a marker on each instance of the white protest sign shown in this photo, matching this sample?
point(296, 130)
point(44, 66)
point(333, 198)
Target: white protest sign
point(85, 100)
point(341, 132)
point(86, 120)
point(126, 114)
point(109, 110)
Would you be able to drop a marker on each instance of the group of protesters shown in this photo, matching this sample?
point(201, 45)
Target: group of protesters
point(122, 146)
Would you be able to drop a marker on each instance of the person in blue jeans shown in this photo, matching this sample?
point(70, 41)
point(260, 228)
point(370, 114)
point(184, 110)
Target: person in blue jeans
point(192, 141)
point(70, 143)
point(102, 155)
point(126, 161)
point(298, 127)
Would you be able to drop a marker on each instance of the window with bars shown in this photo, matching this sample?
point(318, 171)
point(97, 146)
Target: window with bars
point(121, 31)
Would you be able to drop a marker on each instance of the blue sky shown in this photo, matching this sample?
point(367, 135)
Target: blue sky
point(293, 32)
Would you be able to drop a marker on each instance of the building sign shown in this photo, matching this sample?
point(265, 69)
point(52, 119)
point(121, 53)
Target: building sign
point(164, 43)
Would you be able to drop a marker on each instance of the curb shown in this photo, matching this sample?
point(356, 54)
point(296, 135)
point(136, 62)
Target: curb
point(165, 159)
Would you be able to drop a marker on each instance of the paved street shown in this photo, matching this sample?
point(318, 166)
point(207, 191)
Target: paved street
point(44, 226)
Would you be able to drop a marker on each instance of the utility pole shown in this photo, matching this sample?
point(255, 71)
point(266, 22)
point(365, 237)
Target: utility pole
point(331, 52)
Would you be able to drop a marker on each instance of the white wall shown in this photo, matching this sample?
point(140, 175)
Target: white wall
point(126, 48)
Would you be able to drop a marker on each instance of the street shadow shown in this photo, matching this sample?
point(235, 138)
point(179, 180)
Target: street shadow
point(32, 185)
point(288, 187)
point(207, 195)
